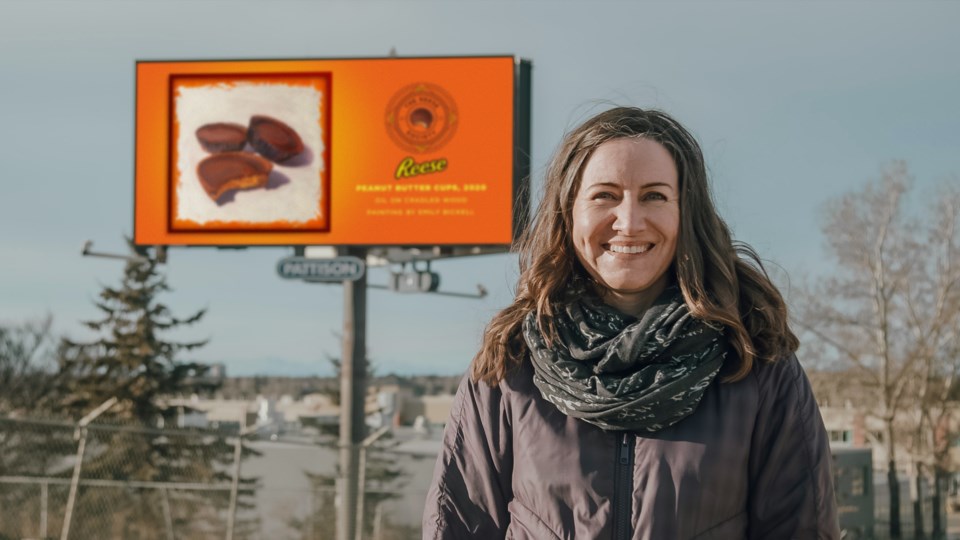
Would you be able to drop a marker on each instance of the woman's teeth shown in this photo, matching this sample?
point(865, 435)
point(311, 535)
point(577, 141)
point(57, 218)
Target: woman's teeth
point(631, 249)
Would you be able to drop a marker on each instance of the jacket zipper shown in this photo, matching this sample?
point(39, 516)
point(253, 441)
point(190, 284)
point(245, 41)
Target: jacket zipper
point(623, 488)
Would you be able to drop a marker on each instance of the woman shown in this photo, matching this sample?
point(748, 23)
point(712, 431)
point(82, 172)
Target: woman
point(643, 382)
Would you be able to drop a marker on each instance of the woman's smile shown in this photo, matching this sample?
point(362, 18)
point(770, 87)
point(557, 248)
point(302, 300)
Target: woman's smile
point(631, 249)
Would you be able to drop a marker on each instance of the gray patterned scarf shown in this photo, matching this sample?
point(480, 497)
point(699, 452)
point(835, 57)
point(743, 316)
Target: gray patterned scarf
point(622, 373)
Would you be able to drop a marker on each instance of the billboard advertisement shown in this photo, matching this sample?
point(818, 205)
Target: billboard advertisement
point(376, 151)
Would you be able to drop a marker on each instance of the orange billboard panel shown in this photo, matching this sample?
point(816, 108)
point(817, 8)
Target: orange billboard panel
point(412, 151)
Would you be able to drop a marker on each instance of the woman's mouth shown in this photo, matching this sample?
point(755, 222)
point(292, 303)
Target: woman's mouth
point(628, 249)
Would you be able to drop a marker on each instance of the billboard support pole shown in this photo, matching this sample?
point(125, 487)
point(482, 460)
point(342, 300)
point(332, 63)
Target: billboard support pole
point(353, 383)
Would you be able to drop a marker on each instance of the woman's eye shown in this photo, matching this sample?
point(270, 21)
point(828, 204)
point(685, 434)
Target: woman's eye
point(655, 196)
point(603, 195)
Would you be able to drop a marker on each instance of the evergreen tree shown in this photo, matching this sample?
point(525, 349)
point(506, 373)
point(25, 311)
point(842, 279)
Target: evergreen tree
point(132, 361)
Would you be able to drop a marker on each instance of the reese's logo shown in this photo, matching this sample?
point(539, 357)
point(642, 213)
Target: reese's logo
point(421, 117)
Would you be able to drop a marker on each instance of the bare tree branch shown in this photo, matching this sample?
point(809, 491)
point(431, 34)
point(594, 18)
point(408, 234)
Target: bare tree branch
point(891, 308)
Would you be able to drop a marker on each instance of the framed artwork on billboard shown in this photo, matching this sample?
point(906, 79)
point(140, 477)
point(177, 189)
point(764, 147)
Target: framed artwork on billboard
point(248, 152)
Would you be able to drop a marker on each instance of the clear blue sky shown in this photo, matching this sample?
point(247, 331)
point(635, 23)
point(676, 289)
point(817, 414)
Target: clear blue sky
point(793, 102)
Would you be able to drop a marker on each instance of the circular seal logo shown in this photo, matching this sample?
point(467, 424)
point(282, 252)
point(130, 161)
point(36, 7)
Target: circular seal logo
point(421, 117)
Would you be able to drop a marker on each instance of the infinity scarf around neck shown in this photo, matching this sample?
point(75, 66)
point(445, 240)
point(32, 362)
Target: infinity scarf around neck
point(622, 373)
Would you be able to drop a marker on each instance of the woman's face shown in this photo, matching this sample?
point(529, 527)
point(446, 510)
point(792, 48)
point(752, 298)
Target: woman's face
point(626, 218)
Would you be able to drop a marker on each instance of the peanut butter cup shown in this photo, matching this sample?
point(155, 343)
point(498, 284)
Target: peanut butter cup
point(228, 171)
point(273, 139)
point(222, 137)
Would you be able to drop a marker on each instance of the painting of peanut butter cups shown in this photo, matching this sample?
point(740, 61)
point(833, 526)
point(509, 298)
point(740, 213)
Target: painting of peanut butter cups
point(248, 152)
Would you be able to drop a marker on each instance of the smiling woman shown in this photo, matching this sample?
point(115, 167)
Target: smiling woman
point(626, 218)
point(643, 382)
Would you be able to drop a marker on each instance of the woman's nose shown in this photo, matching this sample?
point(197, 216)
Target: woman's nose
point(630, 217)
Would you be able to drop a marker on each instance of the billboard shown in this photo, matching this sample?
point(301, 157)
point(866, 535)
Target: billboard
point(375, 151)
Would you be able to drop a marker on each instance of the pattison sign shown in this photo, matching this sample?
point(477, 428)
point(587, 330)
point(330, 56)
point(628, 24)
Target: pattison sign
point(344, 268)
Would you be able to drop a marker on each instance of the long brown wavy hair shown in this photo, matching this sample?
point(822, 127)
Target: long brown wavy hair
point(722, 281)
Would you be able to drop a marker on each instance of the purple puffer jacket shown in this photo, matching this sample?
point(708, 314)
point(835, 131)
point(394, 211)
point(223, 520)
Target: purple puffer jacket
point(751, 462)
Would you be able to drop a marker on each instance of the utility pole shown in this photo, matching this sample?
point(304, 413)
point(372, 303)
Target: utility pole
point(353, 384)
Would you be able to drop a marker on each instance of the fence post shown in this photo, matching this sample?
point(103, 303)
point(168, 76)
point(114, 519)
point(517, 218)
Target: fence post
point(80, 433)
point(235, 483)
point(44, 494)
point(377, 521)
point(237, 454)
point(362, 472)
point(71, 499)
point(167, 517)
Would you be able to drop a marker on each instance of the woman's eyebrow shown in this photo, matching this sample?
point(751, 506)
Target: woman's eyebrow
point(619, 185)
point(606, 184)
point(656, 184)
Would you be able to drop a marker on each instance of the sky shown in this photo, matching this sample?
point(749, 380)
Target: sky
point(794, 103)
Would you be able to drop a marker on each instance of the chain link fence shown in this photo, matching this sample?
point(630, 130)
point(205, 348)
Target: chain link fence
point(134, 482)
point(61, 480)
